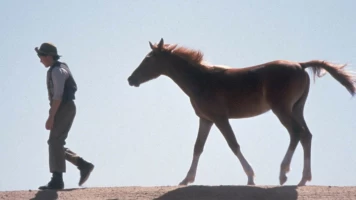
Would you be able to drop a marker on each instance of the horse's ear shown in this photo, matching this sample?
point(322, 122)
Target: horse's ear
point(160, 44)
point(151, 45)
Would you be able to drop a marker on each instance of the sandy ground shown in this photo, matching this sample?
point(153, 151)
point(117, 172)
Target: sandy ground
point(190, 193)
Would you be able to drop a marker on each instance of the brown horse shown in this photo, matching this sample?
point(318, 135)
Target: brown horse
point(218, 93)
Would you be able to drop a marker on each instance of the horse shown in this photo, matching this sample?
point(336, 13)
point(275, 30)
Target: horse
point(218, 93)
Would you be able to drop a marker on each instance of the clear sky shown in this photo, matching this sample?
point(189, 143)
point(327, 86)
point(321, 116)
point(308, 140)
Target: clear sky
point(145, 136)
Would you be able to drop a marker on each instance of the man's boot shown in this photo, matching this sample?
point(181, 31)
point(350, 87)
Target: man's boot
point(56, 182)
point(85, 169)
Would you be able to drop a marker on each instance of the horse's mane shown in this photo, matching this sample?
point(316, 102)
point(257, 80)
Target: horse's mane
point(192, 56)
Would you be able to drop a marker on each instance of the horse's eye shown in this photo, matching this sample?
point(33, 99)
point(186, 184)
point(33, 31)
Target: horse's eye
point(152, 54)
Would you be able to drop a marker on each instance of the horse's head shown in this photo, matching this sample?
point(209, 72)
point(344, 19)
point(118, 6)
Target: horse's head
point(152, 66)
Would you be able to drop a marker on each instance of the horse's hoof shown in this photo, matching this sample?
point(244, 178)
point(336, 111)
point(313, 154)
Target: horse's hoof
point(301, 183)
point(282, 179)
point(186, 181)
point(251, 183)
point(183, 183)
point(306, 177)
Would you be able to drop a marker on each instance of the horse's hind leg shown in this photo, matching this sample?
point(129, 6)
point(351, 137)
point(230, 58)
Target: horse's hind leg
point(305, 138)
point(225, 128)
point(294, 128)
point(292, 118)
point(204, 129)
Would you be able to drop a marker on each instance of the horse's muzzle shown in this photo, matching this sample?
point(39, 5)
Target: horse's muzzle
point(133, 82)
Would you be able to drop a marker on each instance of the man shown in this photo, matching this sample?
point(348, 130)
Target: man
point(61, 89)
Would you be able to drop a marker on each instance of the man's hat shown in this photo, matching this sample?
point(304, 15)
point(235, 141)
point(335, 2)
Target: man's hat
point(47, 49)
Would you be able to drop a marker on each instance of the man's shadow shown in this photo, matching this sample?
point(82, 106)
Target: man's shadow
point(50, 194)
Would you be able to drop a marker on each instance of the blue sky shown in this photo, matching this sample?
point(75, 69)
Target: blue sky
point(145, 136)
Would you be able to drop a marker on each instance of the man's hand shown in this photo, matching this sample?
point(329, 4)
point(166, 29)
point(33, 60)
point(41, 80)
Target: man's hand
point(49, 123)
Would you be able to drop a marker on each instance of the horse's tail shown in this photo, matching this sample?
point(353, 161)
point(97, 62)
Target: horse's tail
point(344, 77)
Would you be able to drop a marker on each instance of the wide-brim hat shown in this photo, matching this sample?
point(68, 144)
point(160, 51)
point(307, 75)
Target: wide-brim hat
point(47, 49)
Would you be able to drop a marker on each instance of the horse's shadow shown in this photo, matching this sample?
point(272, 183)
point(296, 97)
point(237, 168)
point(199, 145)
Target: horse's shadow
point(231, 193)
point(50, 194)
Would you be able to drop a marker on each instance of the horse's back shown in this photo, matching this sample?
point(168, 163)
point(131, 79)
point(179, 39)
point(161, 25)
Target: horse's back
point(251, 91)
point(276, 65)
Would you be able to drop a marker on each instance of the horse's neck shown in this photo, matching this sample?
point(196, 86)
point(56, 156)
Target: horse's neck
point(187, 77)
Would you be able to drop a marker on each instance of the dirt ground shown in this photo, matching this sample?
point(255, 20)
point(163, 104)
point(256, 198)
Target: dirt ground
point(190, 193)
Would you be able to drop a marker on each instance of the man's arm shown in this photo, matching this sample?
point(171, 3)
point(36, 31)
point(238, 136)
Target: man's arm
point(59, 76)
point(54, 107)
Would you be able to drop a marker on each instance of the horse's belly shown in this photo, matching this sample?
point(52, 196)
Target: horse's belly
point(248, 109)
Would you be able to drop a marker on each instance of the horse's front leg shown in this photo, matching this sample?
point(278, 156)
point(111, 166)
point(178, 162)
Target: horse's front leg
point(204, 129)
point(225, 128)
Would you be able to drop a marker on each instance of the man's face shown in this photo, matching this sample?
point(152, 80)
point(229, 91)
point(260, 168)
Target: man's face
point(46, 60)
